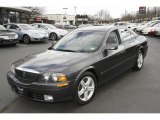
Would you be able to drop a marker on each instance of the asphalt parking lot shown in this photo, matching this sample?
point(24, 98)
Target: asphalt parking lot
point(131, 92)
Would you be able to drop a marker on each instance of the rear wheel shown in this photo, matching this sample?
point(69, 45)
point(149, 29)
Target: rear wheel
point(85, 88)
point(139, 61)
point(53, 36)
point(26, 39)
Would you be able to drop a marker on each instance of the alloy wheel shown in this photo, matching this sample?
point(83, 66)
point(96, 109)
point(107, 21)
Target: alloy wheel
point(86, 88)
point(53, 36)
point(140, 60)
point(26, 39)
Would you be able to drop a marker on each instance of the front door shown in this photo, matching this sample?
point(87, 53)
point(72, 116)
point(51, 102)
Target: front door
point(113, 60)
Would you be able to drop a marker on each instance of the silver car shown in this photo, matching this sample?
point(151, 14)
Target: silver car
point(54, 33)
point(27, 33)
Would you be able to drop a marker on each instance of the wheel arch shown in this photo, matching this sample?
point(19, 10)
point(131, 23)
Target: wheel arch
point(141, 48)
point(24, 35)
point(89, 69)
point(53, 32)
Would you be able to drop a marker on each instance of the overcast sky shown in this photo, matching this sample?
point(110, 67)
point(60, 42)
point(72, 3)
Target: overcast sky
point(115, 7)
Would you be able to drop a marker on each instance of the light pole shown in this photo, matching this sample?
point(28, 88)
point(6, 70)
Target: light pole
point(65, 15)
point(65, 10)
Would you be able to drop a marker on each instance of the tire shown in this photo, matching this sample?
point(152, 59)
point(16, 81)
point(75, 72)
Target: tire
point(53, 36)
point(139, 62)
point(26, 39)
point(85, 90)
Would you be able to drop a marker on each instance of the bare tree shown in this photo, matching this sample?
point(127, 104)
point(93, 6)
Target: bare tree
point(36, 10)
point(103, 16)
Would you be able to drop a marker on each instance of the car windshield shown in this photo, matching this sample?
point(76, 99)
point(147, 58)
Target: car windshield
point(50, 26)
point(27, 27)
point(151, 24)
point(2, 28)
point(80, 41)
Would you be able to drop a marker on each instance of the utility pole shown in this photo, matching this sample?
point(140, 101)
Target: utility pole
point(65, 10)
point(75, 8)
point(65, 15)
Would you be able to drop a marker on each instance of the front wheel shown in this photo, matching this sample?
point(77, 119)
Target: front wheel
point(26, 39)
point(85, 88)
point(139, 61)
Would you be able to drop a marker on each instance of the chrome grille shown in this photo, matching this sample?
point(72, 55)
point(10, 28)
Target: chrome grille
point(27, 76)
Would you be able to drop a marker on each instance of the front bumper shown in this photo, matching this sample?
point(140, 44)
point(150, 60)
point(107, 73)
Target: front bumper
point(36, 91)
point(8, 42)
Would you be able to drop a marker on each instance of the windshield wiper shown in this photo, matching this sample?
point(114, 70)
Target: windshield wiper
point(65, 50)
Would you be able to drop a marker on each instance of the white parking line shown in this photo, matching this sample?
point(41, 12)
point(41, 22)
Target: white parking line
point(22, 45)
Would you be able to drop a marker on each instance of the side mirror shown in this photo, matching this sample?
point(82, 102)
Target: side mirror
point(112, 47)
point(18, 29)
point(54, 42)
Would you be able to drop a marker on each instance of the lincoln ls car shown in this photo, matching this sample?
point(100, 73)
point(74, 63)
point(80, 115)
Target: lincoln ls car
point(76, 65)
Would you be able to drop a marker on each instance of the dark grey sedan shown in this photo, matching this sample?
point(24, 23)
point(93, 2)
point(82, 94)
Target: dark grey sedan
point(77, 64)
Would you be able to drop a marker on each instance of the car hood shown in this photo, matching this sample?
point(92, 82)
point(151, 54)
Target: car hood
point(50, 60)
point(6, 32)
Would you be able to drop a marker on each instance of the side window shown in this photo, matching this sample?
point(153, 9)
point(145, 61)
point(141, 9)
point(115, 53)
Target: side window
point(35, 26)
point(126, 35)
point(112, 39)
point(13, 27)
point(42, 27)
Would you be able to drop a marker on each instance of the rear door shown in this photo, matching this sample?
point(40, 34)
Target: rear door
point(128, 39)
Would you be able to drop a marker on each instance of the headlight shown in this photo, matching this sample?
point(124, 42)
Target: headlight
point(55, 77)
point(12, 69)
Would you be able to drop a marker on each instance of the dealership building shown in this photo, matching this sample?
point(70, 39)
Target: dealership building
point(14, 15)
point(60, 19)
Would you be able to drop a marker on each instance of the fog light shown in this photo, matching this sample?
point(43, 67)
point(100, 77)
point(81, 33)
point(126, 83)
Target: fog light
point(48, 98)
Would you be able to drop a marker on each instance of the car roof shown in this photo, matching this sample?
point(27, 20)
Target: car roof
point(97, 28)
point(16, 24)
point(41, 23)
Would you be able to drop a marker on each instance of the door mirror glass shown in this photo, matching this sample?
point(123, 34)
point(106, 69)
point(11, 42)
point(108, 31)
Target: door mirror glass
point(112, 47)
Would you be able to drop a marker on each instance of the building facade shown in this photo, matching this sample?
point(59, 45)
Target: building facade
point(60, 19)
point(14, 15)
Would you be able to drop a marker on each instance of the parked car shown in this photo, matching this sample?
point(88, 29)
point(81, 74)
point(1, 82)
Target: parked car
point(58, 26)
point(151, 30)
point(27, 33)
point(7, 37)
point(122, 24)
point(157, 31)
point(54, 33)
point(78, 63)
point(70, 27)
point(132, 26)
point(148, 24)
